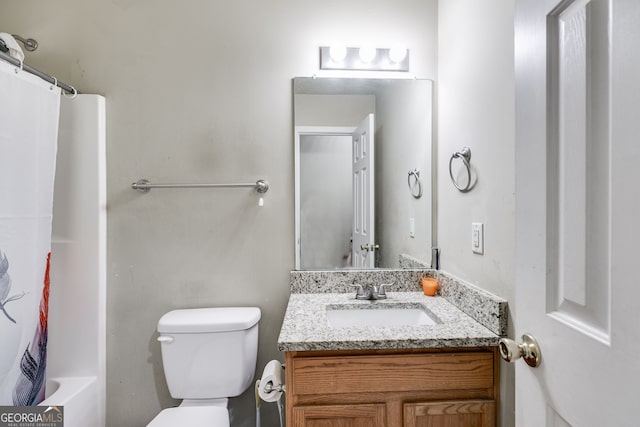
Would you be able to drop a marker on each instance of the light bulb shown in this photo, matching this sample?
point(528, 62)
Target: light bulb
point(367, 54)
point(338, 53)
point(397, 54)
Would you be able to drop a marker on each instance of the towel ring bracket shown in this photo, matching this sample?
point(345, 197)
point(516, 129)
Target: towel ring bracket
point(465, 156)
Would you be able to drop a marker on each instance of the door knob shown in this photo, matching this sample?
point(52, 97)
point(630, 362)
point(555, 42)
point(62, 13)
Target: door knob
point(528, 350)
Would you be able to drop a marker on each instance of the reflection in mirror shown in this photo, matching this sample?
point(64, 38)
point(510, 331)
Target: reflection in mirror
point(358, 144)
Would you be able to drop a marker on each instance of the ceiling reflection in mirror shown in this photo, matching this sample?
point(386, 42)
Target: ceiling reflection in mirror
point(363, 172)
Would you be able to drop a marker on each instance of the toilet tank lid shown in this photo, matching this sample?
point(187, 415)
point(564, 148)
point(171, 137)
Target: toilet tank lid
point(218, 319)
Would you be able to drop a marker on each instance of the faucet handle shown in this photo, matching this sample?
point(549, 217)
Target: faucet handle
point(359, 289)
point(381, 291)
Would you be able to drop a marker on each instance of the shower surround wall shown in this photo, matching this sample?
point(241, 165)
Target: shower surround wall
point(77, 305)
point(200, 91)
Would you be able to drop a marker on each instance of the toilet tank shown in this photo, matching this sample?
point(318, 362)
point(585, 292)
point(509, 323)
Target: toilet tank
point(209, 353)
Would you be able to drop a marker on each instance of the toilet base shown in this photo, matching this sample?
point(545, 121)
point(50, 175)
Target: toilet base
point(192, 416)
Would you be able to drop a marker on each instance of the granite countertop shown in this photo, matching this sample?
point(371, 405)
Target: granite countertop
point(305, 325)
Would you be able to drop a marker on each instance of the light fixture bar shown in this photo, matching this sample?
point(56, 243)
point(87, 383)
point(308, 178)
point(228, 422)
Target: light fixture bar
point(364, 59)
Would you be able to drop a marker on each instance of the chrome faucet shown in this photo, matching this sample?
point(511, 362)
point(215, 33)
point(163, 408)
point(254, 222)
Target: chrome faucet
point(372, 293)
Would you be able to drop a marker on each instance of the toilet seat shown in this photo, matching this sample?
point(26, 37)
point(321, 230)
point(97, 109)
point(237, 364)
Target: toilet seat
point(192, 416)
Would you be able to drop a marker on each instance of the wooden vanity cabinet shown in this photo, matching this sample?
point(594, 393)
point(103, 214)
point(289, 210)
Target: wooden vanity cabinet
point(392, 388)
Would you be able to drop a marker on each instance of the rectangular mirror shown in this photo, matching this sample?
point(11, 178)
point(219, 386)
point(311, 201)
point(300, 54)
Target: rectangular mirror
point(363, 172)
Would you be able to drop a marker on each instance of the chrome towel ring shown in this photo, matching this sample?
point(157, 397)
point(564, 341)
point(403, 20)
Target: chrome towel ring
point(465, 156)
point(417, 183)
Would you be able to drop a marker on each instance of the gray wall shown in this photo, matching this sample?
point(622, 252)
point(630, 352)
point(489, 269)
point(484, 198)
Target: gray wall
point(200, 91)
point(476, 109)
point(403, 143)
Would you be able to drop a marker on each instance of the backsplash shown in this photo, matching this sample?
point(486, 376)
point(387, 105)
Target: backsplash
point(338, 281)
point(407, 261)
point(487, 309)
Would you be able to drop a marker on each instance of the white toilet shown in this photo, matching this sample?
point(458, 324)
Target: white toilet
point(208, 355)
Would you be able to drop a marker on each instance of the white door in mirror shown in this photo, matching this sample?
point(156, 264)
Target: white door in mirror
point(363, 195)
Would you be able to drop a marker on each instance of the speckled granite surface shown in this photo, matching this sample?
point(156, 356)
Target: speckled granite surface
point(306, 327)
point(483, 306)
point(486, 308)
point(311, 282)
point(407, 261)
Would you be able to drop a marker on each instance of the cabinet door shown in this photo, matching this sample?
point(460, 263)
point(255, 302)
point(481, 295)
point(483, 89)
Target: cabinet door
point(467, 413)
point(365, 415)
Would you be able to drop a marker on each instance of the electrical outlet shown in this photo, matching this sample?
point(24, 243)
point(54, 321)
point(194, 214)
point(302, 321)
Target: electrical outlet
point(477, 238)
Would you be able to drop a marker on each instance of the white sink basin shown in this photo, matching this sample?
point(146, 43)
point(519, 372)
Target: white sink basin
point(381, 315)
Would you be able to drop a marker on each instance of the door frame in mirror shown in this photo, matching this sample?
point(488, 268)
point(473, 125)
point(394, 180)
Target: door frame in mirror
point(299, 132)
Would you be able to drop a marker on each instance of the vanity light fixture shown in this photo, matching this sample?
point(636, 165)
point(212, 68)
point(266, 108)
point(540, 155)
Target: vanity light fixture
point(364, 58)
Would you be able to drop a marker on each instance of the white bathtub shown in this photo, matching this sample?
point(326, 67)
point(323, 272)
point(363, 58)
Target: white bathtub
point(79, 396)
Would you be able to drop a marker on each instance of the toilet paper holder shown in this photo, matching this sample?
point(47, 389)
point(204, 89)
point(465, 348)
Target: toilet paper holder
point(269, 387)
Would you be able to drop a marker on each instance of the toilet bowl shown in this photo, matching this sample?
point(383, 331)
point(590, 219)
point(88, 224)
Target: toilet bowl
point(208, 355)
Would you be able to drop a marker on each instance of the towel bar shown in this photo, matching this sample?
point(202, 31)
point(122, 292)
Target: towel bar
point(144, 186)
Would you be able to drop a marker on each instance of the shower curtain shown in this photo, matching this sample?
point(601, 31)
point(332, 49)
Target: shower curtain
point(29, 110)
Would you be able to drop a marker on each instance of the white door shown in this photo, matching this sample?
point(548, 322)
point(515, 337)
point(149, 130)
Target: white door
point(578, 208)
point(363, 195)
